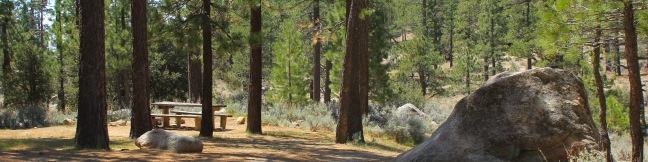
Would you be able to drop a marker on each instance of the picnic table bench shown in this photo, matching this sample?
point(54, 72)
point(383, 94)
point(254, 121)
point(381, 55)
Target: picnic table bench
point(178, 119)
point(223, 117)
point(166, 116)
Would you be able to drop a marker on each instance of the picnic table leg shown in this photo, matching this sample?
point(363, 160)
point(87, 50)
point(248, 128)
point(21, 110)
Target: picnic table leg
point(165, 110)
point(223, 121)
point(153, 123)
point(178, 121)
point(197, 123)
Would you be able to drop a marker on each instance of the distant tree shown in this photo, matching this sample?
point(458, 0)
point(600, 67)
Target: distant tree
point(328, 65)
point(61, 58)
point(380, 35)
point(467, 40)
point(207, 123)
point(290, 67)
point(353, 97)
point(317, 52)
point(600, 93)
point(254, 88)
point(636, 95)
point(92, 130)
point(5, 17)
point(521, 22)
point(140, 120)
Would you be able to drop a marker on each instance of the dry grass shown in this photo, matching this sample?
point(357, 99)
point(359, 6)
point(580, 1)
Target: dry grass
point(278, 143)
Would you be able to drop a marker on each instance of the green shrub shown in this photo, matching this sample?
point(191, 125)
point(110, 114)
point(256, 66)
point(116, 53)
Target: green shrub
point(27, 116)
point(617, 115)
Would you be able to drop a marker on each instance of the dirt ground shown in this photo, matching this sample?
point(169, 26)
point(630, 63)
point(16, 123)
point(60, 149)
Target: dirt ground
point(277, 144)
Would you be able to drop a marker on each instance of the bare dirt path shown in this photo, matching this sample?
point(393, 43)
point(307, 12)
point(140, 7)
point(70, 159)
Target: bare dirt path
point(277, 144)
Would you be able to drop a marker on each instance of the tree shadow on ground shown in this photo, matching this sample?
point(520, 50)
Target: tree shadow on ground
point(252, 148)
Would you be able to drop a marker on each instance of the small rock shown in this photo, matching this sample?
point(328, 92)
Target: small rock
point(240, 120)
point(410, 109)
point(68, 122)
point(297, 123)
point(121, 122)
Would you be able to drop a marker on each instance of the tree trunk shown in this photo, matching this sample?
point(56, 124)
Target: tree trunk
point(353, 100)
point(195, 75)
point(141, 118)
point(617, 56)
point(92, 130)
point(6, 65)
point(451, 50)
point(600, 93)
point(256, 41)
point(467, 75)
point(123, 79)
point(327, 81)
point(316, 54)
point(59, 48)
point(528, 25)
point(207, 122)
point(486, 68)
point(492, 45)
point(635, 82)
point(423, 81)
point(77, 13)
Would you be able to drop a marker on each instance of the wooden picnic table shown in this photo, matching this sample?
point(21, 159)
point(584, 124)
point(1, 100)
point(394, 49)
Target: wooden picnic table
point(166, 106)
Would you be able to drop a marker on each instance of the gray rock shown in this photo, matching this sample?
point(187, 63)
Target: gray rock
point(410, 109)
point(536, 115)
point(164, 140)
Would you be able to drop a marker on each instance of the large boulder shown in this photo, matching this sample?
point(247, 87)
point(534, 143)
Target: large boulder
point(535, 115)
point(165, 140)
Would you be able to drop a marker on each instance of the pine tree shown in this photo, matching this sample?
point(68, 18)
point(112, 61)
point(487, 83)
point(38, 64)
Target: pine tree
point(289, 66)
point(353, 100)
point(256, 42)
point(207, 122)
point(92, 131)
point(140, 120)
point(317, 52)
point(636, 132)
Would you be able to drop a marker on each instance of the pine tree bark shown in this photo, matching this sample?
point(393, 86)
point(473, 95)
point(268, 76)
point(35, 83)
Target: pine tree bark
point(92, 130)
point(141, 114)
point(317, 50)
point(353, 97)
point(635, 81)
point(423, 81)
point(600, 93)
point(207, 122)
point(195, 75)
point(6, 50)
point(256, 41)
point(327, 81)
point(617, 56)
point(193, 65)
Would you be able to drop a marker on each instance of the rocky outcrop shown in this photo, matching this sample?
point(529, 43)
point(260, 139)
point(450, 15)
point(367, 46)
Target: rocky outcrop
point(164, 140)
point(536, 115)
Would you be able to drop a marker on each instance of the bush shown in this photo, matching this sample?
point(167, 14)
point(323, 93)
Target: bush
point(617, 115)
point(405, 129)
point(25, 117)
point(120, 114)
point(313, 116)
